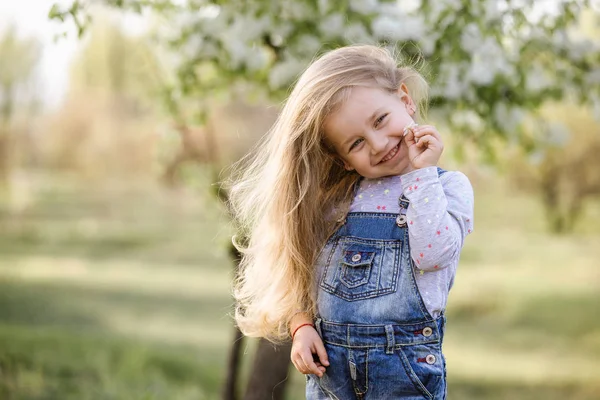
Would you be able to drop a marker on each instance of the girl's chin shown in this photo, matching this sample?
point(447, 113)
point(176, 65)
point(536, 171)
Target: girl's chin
point(401, 168)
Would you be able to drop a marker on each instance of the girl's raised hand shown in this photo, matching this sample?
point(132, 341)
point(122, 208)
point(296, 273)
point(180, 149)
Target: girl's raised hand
point(306, 343)
point(425, 146)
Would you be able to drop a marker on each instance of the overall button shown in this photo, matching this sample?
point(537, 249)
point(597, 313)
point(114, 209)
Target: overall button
point(401, 220)
point(427, 331)
point(430, 359)
point(356, 257)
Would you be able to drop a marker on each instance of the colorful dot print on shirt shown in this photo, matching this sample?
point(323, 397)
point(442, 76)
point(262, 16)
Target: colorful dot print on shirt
point(380, 195)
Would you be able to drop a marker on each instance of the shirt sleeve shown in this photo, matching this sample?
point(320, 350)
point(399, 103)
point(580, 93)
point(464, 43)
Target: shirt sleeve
point(439, 216)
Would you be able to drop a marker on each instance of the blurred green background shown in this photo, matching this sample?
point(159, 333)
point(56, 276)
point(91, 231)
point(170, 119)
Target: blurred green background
point(115, 274)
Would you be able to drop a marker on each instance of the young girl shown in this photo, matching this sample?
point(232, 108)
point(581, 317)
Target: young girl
point(353, 234)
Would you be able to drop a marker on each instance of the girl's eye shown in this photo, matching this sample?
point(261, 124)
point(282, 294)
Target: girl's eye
point(356, 143)
point(380, 120)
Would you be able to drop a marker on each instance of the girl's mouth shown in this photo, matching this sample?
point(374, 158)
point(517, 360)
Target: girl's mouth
point(392, 153)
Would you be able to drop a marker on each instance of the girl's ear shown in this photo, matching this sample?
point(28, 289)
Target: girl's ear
point(406, 99)
point(337, 159)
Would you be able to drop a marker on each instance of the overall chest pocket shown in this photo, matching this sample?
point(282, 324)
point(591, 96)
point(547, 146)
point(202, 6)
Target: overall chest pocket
point(361, 268)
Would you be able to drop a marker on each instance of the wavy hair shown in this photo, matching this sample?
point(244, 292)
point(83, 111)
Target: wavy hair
point(288, 195)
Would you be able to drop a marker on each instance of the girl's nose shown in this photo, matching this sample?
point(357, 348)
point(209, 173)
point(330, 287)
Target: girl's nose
point(378, 143)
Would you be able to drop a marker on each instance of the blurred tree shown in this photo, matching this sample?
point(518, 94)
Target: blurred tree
point(489, 61)
point(106, 126)
point(120, 65)
point(19, 57)
point(564, 171)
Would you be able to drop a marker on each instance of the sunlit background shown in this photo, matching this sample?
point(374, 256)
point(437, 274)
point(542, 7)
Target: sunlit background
point(115, 260)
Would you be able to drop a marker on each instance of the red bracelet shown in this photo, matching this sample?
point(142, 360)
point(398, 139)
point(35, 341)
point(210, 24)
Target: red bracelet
point(296, 330)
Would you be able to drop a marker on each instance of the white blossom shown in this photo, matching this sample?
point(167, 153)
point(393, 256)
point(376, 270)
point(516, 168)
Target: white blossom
point(248, 28)
point(470, 38)
point(238, 52)
point(560, 39)
point(257, 59)
point(480, 72)
point(427, 44)
point(284, 72)
point(323, 6)
point(578, 49)
point(279, 33)
point(492, 10)
point(209, 11)
point(333, 26)
point(488, 61)
point(439, 6)
point(308, 44)
point(193, 45)
point(356, 33)
point(409, 6)
point(216, 25)
point(196, 44)
point(467, 118)
point(298, 10)
point(399, 28)
point(453, 5)
point(508, 117)
point(557, 134)
point(536, 79)
point(593, 77)
point(452, 85)
point(364, 6)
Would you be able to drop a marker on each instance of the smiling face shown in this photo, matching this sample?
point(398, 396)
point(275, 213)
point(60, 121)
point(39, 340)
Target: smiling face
point(367, 131)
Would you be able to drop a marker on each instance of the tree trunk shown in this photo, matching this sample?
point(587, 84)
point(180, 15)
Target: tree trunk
point(575, 211)
point(269, 375)
point(233, 367)
point(230, 389)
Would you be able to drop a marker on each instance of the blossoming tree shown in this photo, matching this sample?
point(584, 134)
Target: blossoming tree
point(488, 61)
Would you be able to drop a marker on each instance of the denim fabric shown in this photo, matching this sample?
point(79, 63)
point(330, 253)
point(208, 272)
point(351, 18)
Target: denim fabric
point(381, 341)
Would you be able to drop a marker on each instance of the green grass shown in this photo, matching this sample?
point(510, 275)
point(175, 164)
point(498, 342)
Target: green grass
point(116, 293)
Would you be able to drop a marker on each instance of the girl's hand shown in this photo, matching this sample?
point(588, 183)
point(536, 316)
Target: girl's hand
point(306, 343)
point(424, 146)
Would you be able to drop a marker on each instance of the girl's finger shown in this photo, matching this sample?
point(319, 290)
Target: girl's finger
point(427, 130)
point(427, 141)
point(410, 127)
point(312, 368)
point(409, 139)
point(320, 348)
point(299, 364)
point(320, 366)
point(423, 127)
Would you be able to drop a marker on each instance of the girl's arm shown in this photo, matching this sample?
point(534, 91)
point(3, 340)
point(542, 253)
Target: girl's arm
point(439, 216)
point(306, 344)
point(300, 318)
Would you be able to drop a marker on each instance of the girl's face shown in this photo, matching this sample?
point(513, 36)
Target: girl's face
point(367, 131)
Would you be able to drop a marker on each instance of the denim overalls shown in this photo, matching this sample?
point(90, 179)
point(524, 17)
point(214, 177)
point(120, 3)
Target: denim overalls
point(381, 341)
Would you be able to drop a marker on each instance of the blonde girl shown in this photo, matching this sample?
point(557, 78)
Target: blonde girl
point(352, 233)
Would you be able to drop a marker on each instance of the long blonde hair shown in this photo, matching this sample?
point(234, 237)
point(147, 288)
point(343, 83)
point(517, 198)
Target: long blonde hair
point(282, 196)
